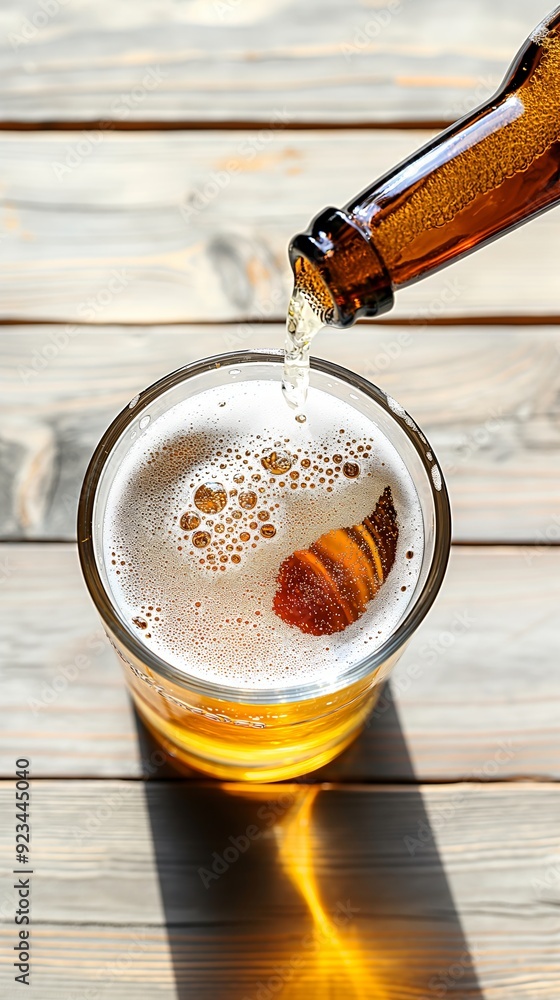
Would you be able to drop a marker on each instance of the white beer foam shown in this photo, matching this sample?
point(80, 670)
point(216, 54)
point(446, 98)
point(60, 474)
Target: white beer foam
point(219, 624)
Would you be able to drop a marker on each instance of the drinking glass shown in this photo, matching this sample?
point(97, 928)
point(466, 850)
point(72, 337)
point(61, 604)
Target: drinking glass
point(280, 731)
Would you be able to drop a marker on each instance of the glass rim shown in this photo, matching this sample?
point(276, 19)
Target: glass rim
point(105, 605)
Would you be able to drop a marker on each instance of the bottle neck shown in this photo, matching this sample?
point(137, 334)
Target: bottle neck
point(337, 267)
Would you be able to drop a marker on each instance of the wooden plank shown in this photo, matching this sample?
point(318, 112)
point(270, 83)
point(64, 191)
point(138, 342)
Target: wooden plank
point(475, 695)
point(366, 60)
point(487, 398)
point(335, 896)
point(160, 227)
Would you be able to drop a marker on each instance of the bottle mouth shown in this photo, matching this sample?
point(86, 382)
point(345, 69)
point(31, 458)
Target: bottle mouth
point(339, 270)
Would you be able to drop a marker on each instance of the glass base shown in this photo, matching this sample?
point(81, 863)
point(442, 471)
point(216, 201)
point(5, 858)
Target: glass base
point(182, 756)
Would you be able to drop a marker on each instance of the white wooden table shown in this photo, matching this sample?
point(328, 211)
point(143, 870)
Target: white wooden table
point(425, 862)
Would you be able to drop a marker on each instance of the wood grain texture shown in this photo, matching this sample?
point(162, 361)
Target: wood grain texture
point(487, 398)
point(476, 694)
point(160, 227)
point(364, 60)
point(472, 907)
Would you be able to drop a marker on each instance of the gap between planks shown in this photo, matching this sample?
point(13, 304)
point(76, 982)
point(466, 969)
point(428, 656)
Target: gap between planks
point(410, 321)
point(185, 125)
point(377, 784)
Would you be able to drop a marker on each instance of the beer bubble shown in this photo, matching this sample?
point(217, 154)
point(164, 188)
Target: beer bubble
point(201, 539)
point(351, 470)
point(263, 515)
point(301, 418)
point(268, 531)
point(236, 559)
point(189, 521)
point(210, 498)
point(410, 554)
point(239, 478)
point(277, 462)
point(140, 622)
point(248, 500)
point(337, 459)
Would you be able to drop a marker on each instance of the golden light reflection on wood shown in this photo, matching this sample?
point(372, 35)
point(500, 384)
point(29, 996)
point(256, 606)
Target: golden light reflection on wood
point(334, 945)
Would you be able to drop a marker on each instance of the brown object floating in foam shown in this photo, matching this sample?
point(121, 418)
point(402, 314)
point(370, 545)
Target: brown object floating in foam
point(323, 589)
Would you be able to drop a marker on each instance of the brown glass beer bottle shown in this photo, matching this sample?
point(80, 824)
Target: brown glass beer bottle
point(495, 169)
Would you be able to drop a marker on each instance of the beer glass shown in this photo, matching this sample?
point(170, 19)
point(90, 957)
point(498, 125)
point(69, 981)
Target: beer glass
point(243, 731)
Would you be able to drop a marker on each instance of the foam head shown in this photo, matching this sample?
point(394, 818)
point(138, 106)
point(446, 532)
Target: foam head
point(215, 495)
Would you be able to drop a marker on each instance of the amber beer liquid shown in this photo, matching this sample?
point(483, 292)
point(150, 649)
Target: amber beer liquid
point(492, 171)
point(259, 570)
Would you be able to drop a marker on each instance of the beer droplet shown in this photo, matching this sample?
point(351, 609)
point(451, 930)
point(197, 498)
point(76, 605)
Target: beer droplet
point(410, 555)
point(189, 521)
point(247, 500)
point(263, 515)
point(337, 459)
point(277, 462)
point(301, 418)
point(305, 463)
point(201, 539)
point(351, 470)
point(210, 498)
point(245, 536)
point(140, 622)
point(268, 531)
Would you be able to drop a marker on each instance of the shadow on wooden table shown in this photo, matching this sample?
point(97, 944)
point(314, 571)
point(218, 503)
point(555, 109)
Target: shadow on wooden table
point(304, 890)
